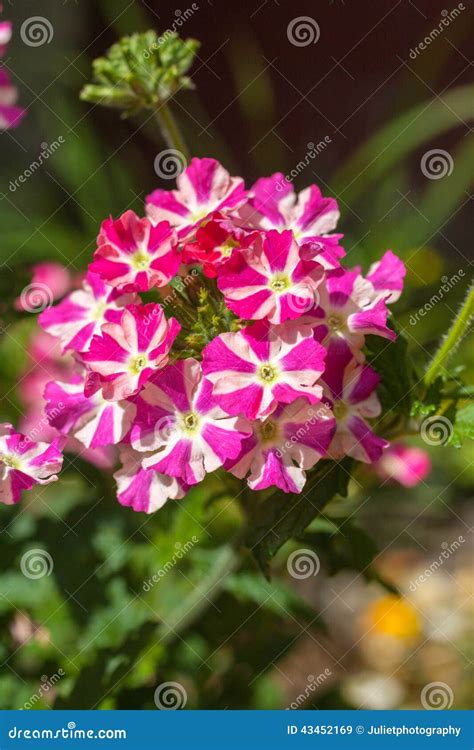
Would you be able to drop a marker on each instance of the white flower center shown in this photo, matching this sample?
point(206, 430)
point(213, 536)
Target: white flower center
point(335, 322)
point(268, 431)
point(9, 460)
point(138, 363)
point(340, 410)
point(140, 260)
point(268, 373)
point(279, 283)
point(190, 423)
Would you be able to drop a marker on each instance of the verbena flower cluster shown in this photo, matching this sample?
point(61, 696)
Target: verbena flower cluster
point(221, 330)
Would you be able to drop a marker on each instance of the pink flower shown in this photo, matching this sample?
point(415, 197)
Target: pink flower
point(51, 280)
point(133, 255)
point(348, 310)
point(386, 276)
point(5, 35)
point(179, 422)
point(144, 489)
point(82, 313)
point(24, 463)
point(90, 419)
point(404, 464)
point(10, 114)
point(269, 280)
point(350, 391)
point(273, 204)
point(203, 188)
point(214, 244)
point(293, 438)
point(127, 353)
point(262, 365)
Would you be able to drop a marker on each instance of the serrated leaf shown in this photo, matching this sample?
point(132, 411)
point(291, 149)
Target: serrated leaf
point(390, 360)
point(463, 426)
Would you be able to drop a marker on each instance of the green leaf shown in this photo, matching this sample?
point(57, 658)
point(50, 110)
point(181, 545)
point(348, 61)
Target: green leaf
point(282, 516)
point(390, 360)
point(274, 597)
point(463, 426)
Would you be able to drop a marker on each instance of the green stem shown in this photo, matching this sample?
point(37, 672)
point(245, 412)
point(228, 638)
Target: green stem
point(452, 338)
point(170, 130)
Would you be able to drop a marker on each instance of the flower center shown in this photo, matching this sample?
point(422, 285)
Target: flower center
point(280, 283)
point(227, 247)
point(268, 431)
point(140, 260)
point(138, 363)
point(340, 409)
point(268, 373)
point(99, 311)
point(8, 460)
point(335, 322)
point(190, 423)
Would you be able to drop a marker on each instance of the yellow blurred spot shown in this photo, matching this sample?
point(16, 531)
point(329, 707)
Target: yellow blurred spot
point(393, 616)
point(424, 266)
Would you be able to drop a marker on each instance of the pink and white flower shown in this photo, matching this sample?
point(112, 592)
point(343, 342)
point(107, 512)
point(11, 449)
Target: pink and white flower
point(350, 391)
point(53, 279)
point(268, 279)
point(404, 464)
point(133, 255)
point(213, 245)
point(142, 489)
point(80, 315)
point(127, 353)
point(24, 463)
point(91, 419)
point(348, 310)
point(5, 35)
point(262, 365)
point(203, 188)
point(189, 435)
point(293, 438)
point(10, 114)
point(273, 204)
point(386, 276)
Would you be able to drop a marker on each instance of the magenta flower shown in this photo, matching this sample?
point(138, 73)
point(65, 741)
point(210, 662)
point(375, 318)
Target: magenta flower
point(24, 463)
point(179, 422)
point(293, 438)
point(350, 391)
point(273, 204)
point(268, 279)
point(348, 310)
point(386, 276)
point(262, 365)
point(403, 464)
point(80, 315)
point(126, 354)
point(5, 35)
point(92, 420)
point(10, 114)
point(213, 245)
point(203, 188)
point(133, 255)
point(50, 281)
point(142, 489)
